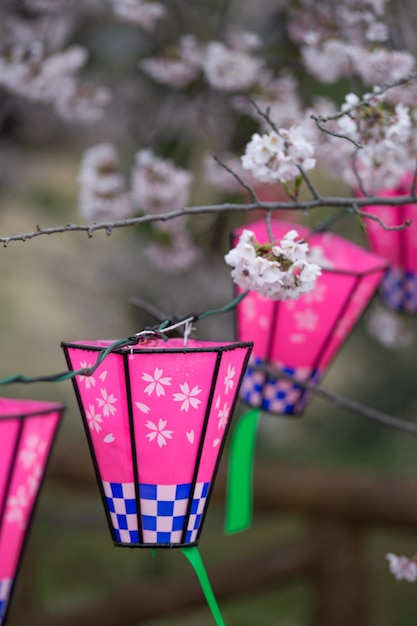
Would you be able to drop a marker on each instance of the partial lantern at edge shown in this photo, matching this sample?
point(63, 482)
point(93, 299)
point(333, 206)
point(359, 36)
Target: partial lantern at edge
point(398, 288)
point(300, 337)
point(27, 432)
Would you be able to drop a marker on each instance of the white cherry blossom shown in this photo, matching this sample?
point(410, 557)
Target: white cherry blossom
point(230, 70)
point(280, 271)
point(278, 156)
point(178, 67)
point(140, 12)
point(402, 567)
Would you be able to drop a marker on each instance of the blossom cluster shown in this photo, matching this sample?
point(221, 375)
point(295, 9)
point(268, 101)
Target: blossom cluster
point(52, 78)
point(276, 271)
point(158, 184)
point(388, 328)
point(385, 134)
point(139, 12)
point(229, 68)
point(402, 567)
point(347, 39)
point(102, 186)
point(278, 156)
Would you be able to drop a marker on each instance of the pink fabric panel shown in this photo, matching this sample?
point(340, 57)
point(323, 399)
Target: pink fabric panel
point(228, 378)
point(364, 291)
point(104, 400)
point(399, 247)
point(304, 325)
point(8, 434)
point(170, 392)
point(33, 452)
point(254, 315)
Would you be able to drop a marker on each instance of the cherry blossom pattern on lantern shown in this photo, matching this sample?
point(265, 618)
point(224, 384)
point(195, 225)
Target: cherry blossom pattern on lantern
point(106, 402)
point(223, 415)
point(188, 396)
point(402, 567)
point(94, 419)
point(34, 447)
point(30, 458)
point(159, 432)
point(276, 271)
point(89, 381)
point(16, 505)
point(156, 382)
point(229, 382)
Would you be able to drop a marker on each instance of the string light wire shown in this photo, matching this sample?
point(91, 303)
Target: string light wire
point(145, 335)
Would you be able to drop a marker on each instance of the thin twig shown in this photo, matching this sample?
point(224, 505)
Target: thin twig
point(320, 120)
point(236, 176)
point(269, 226)
point(264, 115)
point(375, 218)
point(381, 89)
point(347, 403)
point(414, 183)
point(356, 173)
point(309, 183)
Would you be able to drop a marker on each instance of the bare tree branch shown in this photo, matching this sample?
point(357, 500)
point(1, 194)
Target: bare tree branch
point(289, 205)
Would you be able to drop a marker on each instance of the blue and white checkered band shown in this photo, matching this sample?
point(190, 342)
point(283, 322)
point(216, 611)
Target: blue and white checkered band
point(399, 290)
point(277, 395)
point(5, 587)
point(163, 512)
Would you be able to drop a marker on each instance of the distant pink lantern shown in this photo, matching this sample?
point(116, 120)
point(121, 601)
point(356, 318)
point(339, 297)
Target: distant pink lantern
point(300, 337)
point(156, 419)
point(27, 432)
point(399, 286)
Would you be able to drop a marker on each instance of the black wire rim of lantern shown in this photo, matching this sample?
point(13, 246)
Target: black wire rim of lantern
point(137, 499)
point(22, 417)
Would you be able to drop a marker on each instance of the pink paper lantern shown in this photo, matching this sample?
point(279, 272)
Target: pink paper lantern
point(300, 337)
point(27, 432)
point(156, 419)
point(399, 286)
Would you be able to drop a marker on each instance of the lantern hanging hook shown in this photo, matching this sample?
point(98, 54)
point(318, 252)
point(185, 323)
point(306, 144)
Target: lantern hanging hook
point(187, 330)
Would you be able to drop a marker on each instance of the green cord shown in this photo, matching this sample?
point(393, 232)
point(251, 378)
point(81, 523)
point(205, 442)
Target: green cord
point(196, 561)
point(120, 343)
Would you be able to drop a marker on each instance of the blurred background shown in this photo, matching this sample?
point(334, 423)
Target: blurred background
point(70, 287)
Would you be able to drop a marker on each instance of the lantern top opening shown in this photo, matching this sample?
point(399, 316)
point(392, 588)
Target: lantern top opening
point(332, 252)
point(11, 408)
point(159, 345)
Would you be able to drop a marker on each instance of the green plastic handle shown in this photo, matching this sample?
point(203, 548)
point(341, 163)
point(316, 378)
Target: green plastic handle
point(196, 561)
point(239, 499)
